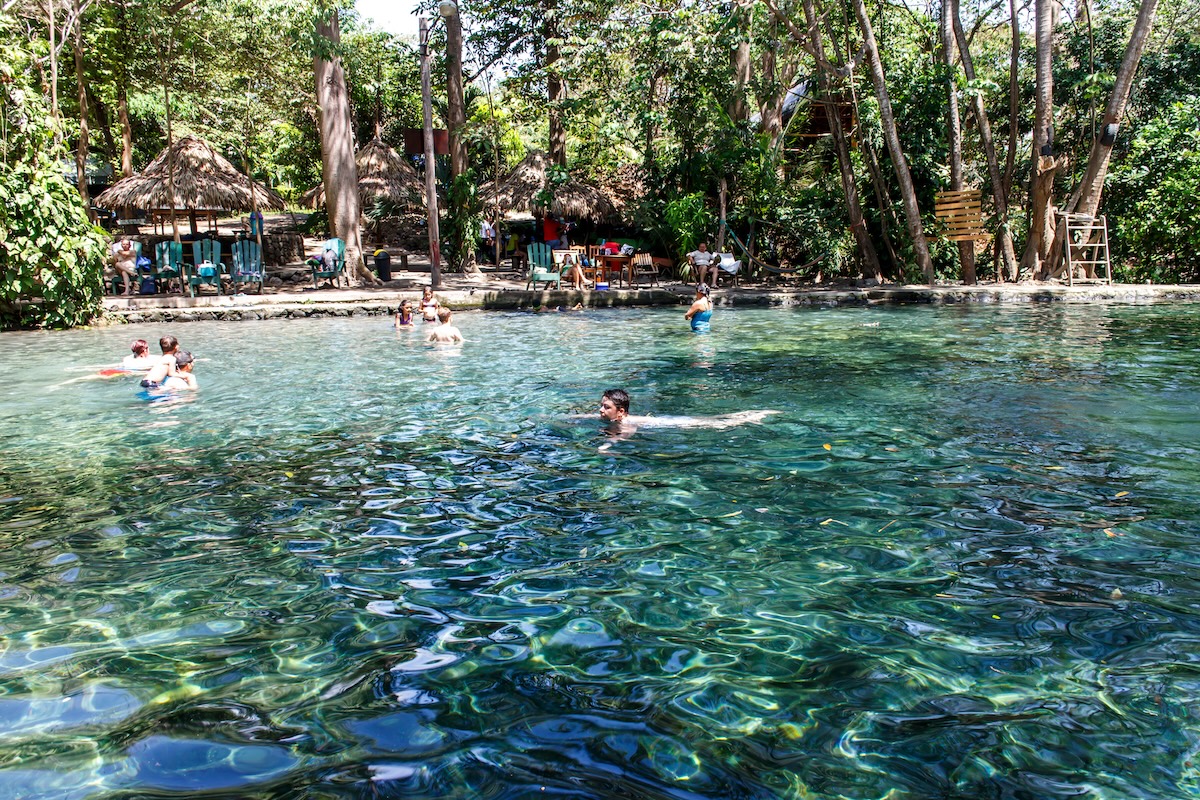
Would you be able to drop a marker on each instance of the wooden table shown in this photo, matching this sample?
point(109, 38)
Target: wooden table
point(619, 264)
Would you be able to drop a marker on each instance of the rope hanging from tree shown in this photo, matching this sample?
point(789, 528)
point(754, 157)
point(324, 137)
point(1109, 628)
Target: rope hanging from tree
point(751, 258)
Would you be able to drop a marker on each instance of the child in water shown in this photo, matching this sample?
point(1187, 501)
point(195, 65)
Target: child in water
point(183, 379)
point(404, 317)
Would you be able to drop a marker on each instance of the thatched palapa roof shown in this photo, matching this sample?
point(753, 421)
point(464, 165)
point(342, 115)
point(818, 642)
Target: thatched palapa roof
point(203, 179)
point(521, 189)
point(382, 172)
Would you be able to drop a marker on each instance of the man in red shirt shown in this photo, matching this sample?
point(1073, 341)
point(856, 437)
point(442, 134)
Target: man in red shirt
point(551, 233)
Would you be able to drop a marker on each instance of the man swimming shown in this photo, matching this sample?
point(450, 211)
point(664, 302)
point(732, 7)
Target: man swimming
point(614, 413)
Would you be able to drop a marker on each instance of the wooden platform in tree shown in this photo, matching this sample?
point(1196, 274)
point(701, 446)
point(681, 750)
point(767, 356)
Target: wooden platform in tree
point(962, 214)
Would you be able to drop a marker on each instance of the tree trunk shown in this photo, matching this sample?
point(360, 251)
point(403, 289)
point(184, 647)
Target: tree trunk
point(1004, 244)
point(912, 213)
point(52, 26)
point(739, 64)
point(338, 169)
point(867, 257)
point(1087, 197)
point(104, 123)
point(456, 122)
point(966, 250)
point(555, 89)
point(1041, 229)
point(81, 149)
point(1014, 100)
point(431, 204)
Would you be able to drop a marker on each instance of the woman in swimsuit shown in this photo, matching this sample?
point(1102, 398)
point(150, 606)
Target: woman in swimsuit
point(700, 313)
point(429, 305)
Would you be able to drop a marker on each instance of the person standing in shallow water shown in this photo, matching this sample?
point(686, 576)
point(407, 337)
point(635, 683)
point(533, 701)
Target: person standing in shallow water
point(429, 305)
point(700, 314)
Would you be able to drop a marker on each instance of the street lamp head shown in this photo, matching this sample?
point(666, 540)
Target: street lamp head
point(447, 8)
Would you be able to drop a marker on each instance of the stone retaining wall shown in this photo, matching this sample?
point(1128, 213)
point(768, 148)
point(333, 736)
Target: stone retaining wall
point(351, 303)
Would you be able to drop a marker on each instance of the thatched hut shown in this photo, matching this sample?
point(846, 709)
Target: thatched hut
point(382, 173)
point(523, 191)
point(204, 180)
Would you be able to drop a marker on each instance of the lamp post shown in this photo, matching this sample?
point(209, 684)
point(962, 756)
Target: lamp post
point(446, 8)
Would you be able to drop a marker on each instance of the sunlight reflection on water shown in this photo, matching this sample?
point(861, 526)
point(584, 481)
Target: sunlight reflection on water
point(958, 563)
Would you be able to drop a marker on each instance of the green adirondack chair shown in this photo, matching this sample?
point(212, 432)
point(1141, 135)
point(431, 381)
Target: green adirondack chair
point(247, 264)
point(321, 270)
point(541, 266)
point(168, 262)
point(206, 268)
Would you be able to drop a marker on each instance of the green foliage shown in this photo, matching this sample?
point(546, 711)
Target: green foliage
point(1153, 215)
point(689, 222)
point(51, 256)
point(462, 224)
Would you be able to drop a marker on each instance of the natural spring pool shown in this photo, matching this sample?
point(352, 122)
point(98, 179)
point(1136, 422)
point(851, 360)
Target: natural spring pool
point(962, 562)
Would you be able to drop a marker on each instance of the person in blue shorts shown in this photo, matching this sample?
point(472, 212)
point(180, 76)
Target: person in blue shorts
point(700, 314)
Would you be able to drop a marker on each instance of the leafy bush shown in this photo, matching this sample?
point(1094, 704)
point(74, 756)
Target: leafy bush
point(51, 255)
point(1151, 203)
point(689, 222)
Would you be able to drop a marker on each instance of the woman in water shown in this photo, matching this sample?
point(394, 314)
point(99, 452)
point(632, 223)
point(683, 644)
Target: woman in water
point(700, 313)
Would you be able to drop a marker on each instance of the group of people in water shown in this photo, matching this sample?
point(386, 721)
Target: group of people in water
point(431, 311)
point(169, 372)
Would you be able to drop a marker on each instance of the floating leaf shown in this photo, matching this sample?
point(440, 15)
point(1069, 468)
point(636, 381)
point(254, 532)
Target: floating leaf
point(827, 446)
point(1054, 469)
point(287, 474)
point(1122, 494)
point(995, 616)
point(1109, 532)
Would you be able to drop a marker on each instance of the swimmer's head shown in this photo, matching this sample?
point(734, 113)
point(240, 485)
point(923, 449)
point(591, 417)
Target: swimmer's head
point(702, 290)
point(614, 405)
point(428, 293)
point(169, 344)
point(444, 315)
point(183, 359)
point(140, 347)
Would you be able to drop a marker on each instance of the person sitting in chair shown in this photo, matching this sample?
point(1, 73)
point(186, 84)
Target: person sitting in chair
point(703, 262)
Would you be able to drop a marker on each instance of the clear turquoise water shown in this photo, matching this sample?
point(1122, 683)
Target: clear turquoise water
point(961, 563)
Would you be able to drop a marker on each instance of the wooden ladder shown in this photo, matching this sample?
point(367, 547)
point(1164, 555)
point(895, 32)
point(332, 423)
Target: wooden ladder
point(1085, 244)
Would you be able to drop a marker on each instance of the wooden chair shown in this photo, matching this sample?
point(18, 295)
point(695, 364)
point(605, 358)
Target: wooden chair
point(541, 267)
point(338, 270)
point(643, 266)
point(247, 264)
point(591, 269)
point(168, 264)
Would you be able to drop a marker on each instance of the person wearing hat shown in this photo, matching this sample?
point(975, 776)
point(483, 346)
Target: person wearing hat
point(700, 314)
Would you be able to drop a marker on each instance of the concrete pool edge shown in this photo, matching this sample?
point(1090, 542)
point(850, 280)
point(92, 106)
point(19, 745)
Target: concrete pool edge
point(461, 295)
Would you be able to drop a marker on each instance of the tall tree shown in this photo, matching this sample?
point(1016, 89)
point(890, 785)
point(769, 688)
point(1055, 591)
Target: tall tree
point(556, 90)
point(1041, 228)
point(966, 249)
point(81, 147)
point(1004, 243)
point(340, 173)
point(912, 212)
point(833, 104)
point(1086, 199)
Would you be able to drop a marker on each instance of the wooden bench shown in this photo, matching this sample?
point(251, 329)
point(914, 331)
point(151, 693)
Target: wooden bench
point(962, 214)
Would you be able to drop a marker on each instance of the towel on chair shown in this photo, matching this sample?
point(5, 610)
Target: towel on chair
point(729, 264)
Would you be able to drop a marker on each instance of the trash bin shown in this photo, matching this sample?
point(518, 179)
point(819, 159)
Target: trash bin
point(383, 265)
